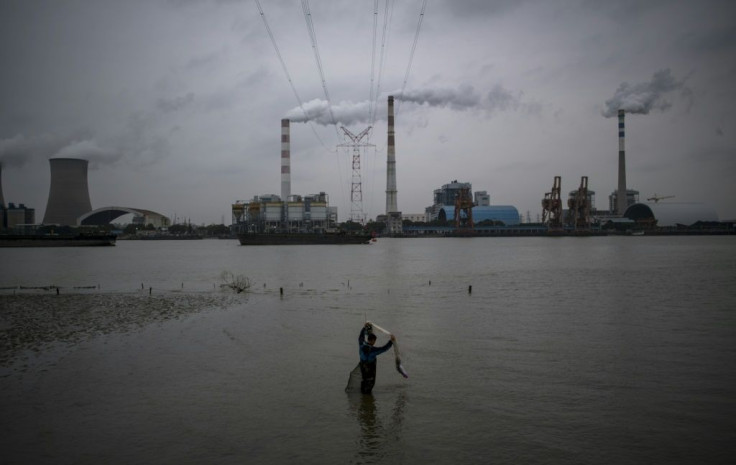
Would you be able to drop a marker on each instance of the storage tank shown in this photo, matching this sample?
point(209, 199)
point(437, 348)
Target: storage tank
point(319, 211)
point(272, 212)
point(295, 211)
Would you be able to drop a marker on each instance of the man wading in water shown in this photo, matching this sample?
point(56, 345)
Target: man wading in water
point(368, 355)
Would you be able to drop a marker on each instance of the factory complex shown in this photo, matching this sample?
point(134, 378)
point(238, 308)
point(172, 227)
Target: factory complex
point(69, 204)
point(455, 207)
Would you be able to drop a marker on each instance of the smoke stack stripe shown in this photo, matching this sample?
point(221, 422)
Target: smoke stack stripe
point(69, 193)
point(285, 160)
point(621, 194)
point(391, 201)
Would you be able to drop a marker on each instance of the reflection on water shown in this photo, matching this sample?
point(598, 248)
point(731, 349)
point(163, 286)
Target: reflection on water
point(380, 438)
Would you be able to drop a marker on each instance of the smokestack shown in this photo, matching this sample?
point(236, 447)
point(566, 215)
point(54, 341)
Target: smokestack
point(391, 204)
point(285, 160)
point(69, 193)
point(621, 194)
point(2, 199)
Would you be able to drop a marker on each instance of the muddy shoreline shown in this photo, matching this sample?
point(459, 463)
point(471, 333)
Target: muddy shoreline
point(30, 322)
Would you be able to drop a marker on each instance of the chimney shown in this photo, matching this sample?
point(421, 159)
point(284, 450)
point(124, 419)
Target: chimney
point(285, 160)
point(621, 194)
point(391, 203)
point(2, 199)
point(69, 193)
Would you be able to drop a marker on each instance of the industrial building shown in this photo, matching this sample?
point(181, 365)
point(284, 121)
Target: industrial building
point(69, 201)
point(286, 213)
point(445, 200)
point(632, 197)
point(107, 215)
point(668, 215)
point(12, 216)
point(19, 216)
point(298, 214)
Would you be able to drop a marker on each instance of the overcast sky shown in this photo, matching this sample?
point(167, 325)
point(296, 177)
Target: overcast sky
point(177, 103)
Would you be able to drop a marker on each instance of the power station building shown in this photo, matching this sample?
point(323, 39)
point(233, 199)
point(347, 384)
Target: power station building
point(286, 213)
point(14, 216)
point(298, 214)
point(670, 214)
point(632, 197)
point(443, 208)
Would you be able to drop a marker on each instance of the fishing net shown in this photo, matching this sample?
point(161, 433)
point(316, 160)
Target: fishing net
point(399, 367)
point(354, 380)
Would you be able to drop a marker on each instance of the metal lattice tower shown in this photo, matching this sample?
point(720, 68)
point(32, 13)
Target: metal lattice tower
point(356, 185)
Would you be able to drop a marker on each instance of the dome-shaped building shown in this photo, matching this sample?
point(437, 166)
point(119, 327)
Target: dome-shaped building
point(506, 214)
point(670, 214)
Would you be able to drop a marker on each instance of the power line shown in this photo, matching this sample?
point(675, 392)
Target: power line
point(313, 37)
point(373, 59)
point(411, 55)
point(286, 72)
point(318, 60)
point(387, 16)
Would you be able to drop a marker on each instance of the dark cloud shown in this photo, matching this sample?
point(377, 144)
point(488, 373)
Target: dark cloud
point(717, 39)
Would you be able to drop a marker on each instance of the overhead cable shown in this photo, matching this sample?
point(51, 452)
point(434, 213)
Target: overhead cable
point(411, 55)
point(288, 76)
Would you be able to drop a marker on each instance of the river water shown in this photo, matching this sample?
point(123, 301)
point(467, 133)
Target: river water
point(605, 350)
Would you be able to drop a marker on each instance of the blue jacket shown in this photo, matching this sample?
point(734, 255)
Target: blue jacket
point(368, 353)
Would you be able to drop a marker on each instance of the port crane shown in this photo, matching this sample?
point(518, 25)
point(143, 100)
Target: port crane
point(579, 206)
point(657, 198)
point(552, 205)
point(464, 204)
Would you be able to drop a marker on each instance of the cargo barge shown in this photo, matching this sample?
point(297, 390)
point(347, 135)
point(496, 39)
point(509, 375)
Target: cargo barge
point(339, 238)
point(56, 240)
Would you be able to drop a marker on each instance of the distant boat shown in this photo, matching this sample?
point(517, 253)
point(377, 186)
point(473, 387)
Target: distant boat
point(169, 237)
point(303, 238)
point(56, 240)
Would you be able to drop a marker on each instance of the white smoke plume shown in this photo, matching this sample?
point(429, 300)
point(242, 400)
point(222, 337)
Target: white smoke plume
point(463, 98)
point(644, 97)
point(346, 113)
point(19, 149)
point(88, 150)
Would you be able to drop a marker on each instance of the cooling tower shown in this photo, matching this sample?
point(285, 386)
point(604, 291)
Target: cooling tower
point(391, 202)
point(621, 194)
point(69, 194)
point(285, 160)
